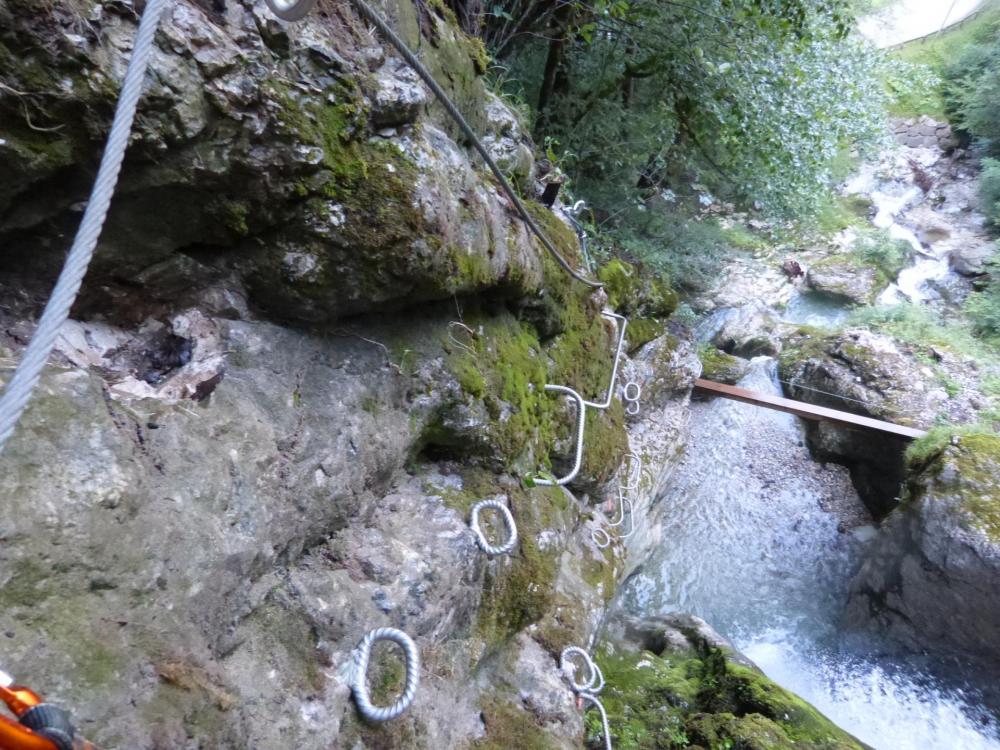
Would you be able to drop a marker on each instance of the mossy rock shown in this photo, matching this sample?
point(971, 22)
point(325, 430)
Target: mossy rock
point(721, 367)
point(641, 331)
point(636, 291)
point(966, 465)
point(695, 691)
point(510, 727)
point(506, 367)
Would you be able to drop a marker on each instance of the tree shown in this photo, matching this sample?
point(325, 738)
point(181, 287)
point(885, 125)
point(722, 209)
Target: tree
point(753, 97)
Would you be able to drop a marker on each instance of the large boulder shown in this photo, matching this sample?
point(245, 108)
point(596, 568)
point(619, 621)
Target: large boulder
point(673, 677)
point(864, 373)
point(748, 331)
point(929, 582)
point(841, 276)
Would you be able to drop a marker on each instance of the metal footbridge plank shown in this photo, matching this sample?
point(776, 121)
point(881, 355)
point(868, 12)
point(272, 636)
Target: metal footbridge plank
point(804, 410)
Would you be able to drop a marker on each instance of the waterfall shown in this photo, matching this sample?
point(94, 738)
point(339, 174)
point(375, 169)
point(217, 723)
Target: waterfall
point(762, 541)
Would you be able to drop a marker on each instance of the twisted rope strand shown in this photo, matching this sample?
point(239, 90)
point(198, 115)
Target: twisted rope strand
point(484, 544)
point(359, 682)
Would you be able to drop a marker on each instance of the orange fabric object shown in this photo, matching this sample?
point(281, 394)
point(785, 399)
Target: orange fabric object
point(15, 737)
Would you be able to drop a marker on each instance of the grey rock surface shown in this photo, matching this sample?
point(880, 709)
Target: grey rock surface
point(929, 582)
point(842, 277)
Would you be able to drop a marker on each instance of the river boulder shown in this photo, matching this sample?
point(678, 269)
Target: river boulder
point(929, 582)
point(864, 373)
point(842, 277)
point(674, 677)
point(747, 331)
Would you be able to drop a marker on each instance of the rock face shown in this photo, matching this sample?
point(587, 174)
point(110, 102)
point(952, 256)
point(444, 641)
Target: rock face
point(876, 375)
point(224, 481)
point(924, 132)
point(844, 278)
point(674, 677)
point(748, 331)
point(929, 582)
point(863, 373)
point(296, 163)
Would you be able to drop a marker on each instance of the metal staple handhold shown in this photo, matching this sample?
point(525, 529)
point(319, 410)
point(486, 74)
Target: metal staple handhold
point(590, 687)
point(581, 417)
point(631, 394)
point(508, 520)
point(359, 685)
point(290, 10)
point(634, 473)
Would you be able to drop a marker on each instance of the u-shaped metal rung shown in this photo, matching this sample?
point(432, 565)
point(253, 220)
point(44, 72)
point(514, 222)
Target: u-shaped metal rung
point(623, 324)
point(634, 473)
point(581, 418)
point(484, 544)
point(359, 681)
point(291, 10)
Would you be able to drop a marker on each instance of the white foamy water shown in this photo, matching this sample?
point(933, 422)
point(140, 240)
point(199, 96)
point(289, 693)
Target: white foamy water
point(887, 711)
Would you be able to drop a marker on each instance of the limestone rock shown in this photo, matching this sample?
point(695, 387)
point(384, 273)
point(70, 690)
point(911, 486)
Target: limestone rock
point(298, 161)
point(865, 373)
point(721, 367)
point(748, 332)
point(929, 582)
point(970, 259)
point(841, 277)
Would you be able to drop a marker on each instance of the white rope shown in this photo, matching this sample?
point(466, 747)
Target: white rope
point(581, 420)
point(484, 544)
point(359, 681)
point(18, 390)
point(589, 687)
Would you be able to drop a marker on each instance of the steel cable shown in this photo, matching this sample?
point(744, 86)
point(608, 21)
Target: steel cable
point(19, 389)
point(581, 421)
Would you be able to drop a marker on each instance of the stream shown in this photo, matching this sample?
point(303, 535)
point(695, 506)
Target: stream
point(763, 542)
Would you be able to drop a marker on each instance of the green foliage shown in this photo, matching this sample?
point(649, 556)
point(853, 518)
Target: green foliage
point(751, 99)
point(983, 307)
point(914, 88)
point(918, 325)
point(969, 62)
point(989, 189)
point(875, 248)
point(687, 250)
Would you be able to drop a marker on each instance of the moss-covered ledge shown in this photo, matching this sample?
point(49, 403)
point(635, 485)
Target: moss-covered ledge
point(673, 683)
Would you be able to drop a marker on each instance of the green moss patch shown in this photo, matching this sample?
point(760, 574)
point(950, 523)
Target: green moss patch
point(510, 727)
point(635, 291)
point(721, 367)
point(700, 698)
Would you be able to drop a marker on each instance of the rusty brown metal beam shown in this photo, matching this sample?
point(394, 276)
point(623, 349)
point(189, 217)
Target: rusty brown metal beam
point(804, 410)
